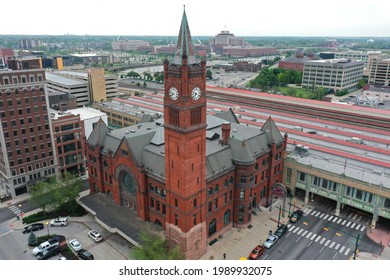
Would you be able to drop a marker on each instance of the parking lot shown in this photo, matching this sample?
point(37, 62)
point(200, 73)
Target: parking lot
point(13, 245)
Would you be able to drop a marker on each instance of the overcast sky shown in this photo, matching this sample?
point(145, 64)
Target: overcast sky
point(206, 17)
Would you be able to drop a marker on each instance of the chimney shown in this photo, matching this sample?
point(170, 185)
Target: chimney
point(225, 132)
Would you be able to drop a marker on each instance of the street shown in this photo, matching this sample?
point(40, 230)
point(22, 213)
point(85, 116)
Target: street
point(320, 235)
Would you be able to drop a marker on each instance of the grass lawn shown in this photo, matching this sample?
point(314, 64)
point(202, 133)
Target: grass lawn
point(297, 92)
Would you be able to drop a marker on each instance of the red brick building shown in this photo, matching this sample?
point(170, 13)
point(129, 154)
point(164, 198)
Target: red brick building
point(195, 174)
point(69, 133)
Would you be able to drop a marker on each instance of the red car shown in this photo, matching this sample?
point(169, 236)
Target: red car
point(256, 253)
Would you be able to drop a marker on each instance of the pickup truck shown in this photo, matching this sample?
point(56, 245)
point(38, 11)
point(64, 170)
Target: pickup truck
point(45, 245)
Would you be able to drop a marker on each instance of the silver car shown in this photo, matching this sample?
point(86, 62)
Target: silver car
point(271, 240)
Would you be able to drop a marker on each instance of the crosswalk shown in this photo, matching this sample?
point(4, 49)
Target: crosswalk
point(335, 219)
point(313, 237)
point(15, 209)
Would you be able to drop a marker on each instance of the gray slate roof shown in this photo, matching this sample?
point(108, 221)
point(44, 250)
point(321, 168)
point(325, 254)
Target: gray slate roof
point(146, 142)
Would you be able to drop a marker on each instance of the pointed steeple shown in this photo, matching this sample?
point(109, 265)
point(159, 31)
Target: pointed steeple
point(184, 48)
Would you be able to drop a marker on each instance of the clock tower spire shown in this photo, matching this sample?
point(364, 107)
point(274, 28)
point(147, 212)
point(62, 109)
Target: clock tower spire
point(185, 147)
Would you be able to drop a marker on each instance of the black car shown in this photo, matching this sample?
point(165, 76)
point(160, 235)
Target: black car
point(33, 227)
point(85, 255)
point(281, 230)
point(296, 216)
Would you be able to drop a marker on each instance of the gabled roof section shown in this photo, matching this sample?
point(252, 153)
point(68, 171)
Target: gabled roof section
point(184, 47)
point(98, 134)
point(241, 151)
point(272, 131)
point(228, 115)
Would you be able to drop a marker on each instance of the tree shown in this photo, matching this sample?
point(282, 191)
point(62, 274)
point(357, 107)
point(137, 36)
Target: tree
point(148, 76)
point(209, 74)
point(152, 247)
point(42, 195)
point(361, 83)
point(133, 74)
point(32, 239)
point(144, 84)
point(56, 192)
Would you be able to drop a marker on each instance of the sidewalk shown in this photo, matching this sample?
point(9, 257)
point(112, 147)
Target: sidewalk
point(237, 243)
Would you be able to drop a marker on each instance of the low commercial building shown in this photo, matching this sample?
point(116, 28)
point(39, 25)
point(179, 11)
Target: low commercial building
point(335, 74)
point(344, 181)
point(90, 117)
point(130, 45)
point(122, 114)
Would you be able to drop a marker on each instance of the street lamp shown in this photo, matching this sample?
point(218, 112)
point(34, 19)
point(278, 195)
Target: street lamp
point(47, 225)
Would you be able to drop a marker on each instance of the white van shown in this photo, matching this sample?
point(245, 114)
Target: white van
point(356, 140)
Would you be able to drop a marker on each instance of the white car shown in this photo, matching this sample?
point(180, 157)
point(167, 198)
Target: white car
point(76, 246)
point(59, 222)
point(95, 235)
point(271, 240)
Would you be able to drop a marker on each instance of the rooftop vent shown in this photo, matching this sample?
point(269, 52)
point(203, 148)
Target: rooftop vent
point(132, 131)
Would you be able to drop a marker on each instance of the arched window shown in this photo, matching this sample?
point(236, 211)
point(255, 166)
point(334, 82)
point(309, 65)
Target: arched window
point(212, 227)
point(226, 183)
point(210, 191)
point(195, 203)
point(226, 217)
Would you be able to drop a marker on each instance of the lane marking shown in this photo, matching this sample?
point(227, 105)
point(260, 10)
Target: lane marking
point(342, 249)
point(359, 218)
point(353, 225)
point(323, 214)
point(362, 228)
point(298, 239)
point(322, 249)
point(288, 235)
point(343, 223)
point(300, 231)
point(335, 218)
point(354, 216)
point(337, 246)
point(347, 251)
point(5, 233)
point(296, 229)
point(316, 215)
point(303, 234)
point(322, 241)
point(318, 238)
point(330, 218)
point(339, 220)
point(331, 245)
point(266, 256)
point(327, 242)
point(309, 244)
point(288, 225)
point(334, 256)
point(314, 236)
point(307, 236)
point(291, 228)
point(313, 213)
point(306, 210)
point(349, 216)
point(347, 225)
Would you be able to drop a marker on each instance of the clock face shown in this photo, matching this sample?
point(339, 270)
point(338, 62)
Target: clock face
point(173, 93)
point(196, 93)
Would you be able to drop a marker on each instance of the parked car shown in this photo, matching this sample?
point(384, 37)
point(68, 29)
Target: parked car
point(256, 253)
point(33, 227)
point(281, 230)
point(296, 216)
point(51, 251)
point(271, 240)
point(45, 245)
point(85, 255)
point(76, 246)
point(95, 235)
point(60, 221)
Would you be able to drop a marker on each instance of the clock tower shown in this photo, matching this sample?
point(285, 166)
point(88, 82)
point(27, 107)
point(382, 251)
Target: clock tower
point(185, 147)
